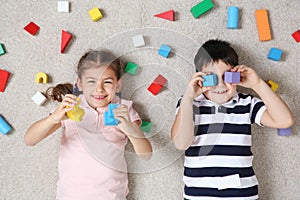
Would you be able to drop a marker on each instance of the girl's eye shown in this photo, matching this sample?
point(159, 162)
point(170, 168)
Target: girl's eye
point(91, 81)
point(109, 82)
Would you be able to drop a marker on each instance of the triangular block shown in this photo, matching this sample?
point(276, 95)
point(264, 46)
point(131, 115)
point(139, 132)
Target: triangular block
point(3, 79)
point(169, 15)
point(65, 39)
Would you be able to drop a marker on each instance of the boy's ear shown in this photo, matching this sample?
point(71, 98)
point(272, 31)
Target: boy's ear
point(119, 85)
point(79, 84)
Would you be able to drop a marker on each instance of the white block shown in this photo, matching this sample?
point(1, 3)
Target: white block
point(138, 41)
point(63, 6)
point(39, 98)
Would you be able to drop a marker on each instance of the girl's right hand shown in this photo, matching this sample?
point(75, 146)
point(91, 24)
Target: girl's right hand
point(195, 86)
point(66, 105)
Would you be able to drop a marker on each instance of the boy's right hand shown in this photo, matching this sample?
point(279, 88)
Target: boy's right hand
point(195, 86)
point(66, 105)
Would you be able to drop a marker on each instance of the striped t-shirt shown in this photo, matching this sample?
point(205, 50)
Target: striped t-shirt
point(218, 164)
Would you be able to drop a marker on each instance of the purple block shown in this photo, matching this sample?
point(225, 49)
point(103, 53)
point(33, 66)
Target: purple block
point(232, 77)
point(284, 131)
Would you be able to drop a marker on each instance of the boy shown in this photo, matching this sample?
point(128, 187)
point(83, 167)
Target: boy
point(213, 126)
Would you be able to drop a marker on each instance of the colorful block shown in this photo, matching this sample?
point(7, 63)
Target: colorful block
point(4, 126)
point(157, 84)
point(4, 75)
point(2, 50)
point(168, 15)
point(95, 14)
point(76, 114)
point(263, 26)
point(274, 86)
point(296, 36)
point(41, 77)
point(233, 17)
point(63, 6)
point(131, 68)
point(146, 126)
point(201, 8)
point(232, 77)
point(138, 41)
point(32, 28)
point(65, 39)
point(284, 132)
point(164, 50)
point(39, 98)
point(210, 80)
point(109, 119)
point(275, 54)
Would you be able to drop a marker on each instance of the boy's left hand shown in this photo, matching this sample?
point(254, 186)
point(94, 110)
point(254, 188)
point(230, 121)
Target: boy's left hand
point(249, 77)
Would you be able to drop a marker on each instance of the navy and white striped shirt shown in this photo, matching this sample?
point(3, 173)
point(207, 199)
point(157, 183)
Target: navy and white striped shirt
point(218, 164)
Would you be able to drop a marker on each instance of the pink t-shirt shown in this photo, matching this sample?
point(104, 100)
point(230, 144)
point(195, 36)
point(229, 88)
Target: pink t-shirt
point(91, 159)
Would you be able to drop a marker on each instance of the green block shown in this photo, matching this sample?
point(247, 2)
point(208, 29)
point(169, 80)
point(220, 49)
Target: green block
point(146, 126)
point(201, 8)
point(131, 68)
point(2, 50)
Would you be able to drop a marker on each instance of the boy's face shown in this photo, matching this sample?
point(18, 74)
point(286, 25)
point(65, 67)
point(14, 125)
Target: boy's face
point(222, 92)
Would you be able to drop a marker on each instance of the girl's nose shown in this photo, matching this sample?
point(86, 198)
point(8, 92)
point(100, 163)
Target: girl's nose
point(100, 87)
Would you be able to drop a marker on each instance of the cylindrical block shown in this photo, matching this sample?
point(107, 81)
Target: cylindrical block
point(4, 127)
point(233, 17)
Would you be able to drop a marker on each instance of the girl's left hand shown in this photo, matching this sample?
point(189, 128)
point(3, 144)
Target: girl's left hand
point(249, 77)
point(121, 113)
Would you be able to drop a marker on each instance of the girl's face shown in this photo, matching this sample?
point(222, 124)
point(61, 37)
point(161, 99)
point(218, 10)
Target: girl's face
point(99, 86)
point(222, 92)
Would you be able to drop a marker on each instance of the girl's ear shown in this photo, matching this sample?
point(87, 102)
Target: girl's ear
point(79, 84)
point(119, 85)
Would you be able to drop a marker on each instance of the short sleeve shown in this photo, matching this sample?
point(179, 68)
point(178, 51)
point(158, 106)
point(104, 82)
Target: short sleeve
point(178, 105)
point(134, 116)
point(257, 109)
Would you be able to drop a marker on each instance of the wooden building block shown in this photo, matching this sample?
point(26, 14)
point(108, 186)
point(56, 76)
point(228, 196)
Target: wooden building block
point(4, 126)
point(274, 86)
point(2, 50)
point(95, 14)
point(232, 77)
point(164, 50)
point(63, 6)
point(65, 39)
point(168, 15)
point(296, 36)
point(32, 28)
point(263, 26)
point(233, 17)
point(210, 80)
point(131, 68)
point(157, 84)
point(4, 75)
point(146, 126)
point(39, 98)
point(284, 132)
point(201, 8)
point(76, 114)
point(109, 118)
point(275, 54)
point(41, 77)
point(138, 41)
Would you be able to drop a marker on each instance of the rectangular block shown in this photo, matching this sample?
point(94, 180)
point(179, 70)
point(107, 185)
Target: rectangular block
point(201, 8)
point(296, 36)
point(263, 26)
point(95, 14)
point(210, 80)
point(275, 54)
point(232, 77)
point(233, 17)
point(63, 6)
point(138, 41)
point(4, 75)
point(284, 131)
point(4, 126)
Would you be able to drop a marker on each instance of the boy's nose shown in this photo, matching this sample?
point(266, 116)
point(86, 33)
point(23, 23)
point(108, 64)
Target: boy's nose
point(220, 81)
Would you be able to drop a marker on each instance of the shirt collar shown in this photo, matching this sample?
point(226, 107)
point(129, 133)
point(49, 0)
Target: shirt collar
point(234, 99)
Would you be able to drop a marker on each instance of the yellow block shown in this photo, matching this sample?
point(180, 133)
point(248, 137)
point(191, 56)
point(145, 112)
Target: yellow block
point(273, 85)
point(41, 77)
point(95, 14)
point(76, 113)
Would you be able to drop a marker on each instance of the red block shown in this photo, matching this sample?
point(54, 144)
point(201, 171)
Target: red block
point(3, 79)
point(32, 28)
point(169, 15)
point(65, 39)
point(157, 84)
point(296, 36)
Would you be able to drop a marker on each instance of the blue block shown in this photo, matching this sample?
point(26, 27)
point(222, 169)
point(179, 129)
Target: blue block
point(109, 119)
point(284, 131)
point(233, 17)
point(210, 80)
point(4, 126)
point(232, 77)
point(275, 54)
point(164, 50)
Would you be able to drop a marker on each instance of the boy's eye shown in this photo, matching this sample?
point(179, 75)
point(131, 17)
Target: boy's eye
point(109, 82)
point(91, 81)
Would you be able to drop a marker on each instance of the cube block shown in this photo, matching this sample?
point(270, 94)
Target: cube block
point(232, 77)
point(138, 41)
point(2, 50)
point(109, 119)
point(4, 126)
point(284, 131)
point(39, 98)
point(95, 14)
point(32, 28)
point(157, 84)
point(201, 8)
point(210, 80)
point(233, 17)
point(274, 86)
point(275, 54)
point(164, 50)
point(146, 126)
point(131, 68)
point(63, 6)
point(296, 36)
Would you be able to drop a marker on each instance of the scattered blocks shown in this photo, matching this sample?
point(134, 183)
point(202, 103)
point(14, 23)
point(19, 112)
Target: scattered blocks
point(296, 36)
point(233, 17)
point(146, 126)
point(284, 131)
point(169, 15)
point(2, 50)
point(138, 41)
point(63, 6)
point(164, 50)
point(76, 113)
point(274, 86)
point(4, 75)
point(65, 39)
point(95, 14)
point(131, 68)
point(109, 119)
point(210, 80)
point(41, 77)
point(4, 126)
point(157, 84)
point(32, 28)
point(263, 26)
point(275, 54)
point(232, 77)
point(39, 98)
point(201, 8)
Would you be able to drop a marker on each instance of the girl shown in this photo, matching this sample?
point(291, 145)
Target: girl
point(91, 159)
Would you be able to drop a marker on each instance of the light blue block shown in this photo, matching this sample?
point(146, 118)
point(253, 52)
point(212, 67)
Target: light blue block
point(109, 119)
point(210, 80)
point(164, 50)
point(2, 50)
point(275, 54)
point(233, 17)
point(4, 126)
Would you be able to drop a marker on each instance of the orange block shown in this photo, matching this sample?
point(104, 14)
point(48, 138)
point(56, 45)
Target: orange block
point(263, 26)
